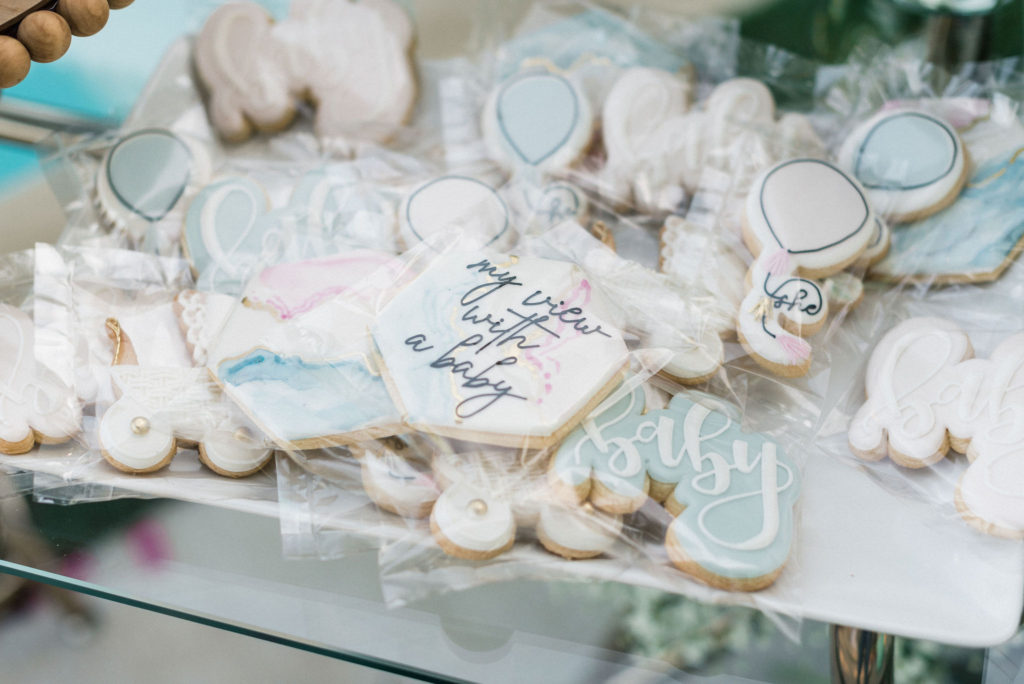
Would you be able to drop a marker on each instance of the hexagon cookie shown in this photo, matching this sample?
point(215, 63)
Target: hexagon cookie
point(498, 349)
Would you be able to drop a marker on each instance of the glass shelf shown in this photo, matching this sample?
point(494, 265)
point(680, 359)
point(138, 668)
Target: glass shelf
point(224, 569)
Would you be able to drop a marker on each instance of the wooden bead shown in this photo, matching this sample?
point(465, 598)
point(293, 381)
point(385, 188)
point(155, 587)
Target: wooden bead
point(14, 62)
point(119, 4)
point(46, 35)
point(84, 17)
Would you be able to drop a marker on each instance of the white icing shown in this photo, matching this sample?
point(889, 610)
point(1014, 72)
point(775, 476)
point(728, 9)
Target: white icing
point(466, 524)
point(242, 67)
point(540, 208)
point(155, 333)
point(350, 58)
point(233, 455)
point(578, 529)
point(802, 215)
point(652, 150)
point(908, 160)
point(179, 403)
point(683, 316)
point(134, 450)
point(909, 369)
point(32, 398)
point(398, 482)
point(353, 60)
point(456, 203)
point(497, 347)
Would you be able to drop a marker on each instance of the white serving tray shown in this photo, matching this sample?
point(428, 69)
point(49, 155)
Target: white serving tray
point(863, 557)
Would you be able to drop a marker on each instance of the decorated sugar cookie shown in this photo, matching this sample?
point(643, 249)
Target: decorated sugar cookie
point(295, 355)
point(733, 493)
point(396, 480)
point(460, 204)
point(911, 163)
point(245, 72)
point(926, 394)
point(804, 219)
point(147, 176)
point(160, 409)
point(577, 532)
point(469, 522)
point(537, 120)
point(35, 406)
point(229, 231)
point(498, 349)
point(653, 149)
point(350, 58)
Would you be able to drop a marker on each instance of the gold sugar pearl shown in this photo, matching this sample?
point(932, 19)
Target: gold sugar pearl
point(477, 507)
point(140, 425)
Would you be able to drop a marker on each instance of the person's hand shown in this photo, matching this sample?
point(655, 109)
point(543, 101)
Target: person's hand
point(41, 30)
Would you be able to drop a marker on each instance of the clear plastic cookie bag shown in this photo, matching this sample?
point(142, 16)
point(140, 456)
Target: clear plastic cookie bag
point(156, 424)
point(928, 367)
point(40, 415)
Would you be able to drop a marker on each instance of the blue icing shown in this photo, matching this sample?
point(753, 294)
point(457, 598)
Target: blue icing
point(148, 172)
point(905, 151)
point(229, 234)
point(593, 33)
point(729, 526)
point(537, 114)
point(975, 234)
point(295, 400)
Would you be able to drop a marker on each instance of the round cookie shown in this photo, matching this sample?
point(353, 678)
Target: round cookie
point(577, 533)
point(911, 163)
point(456, 203)
point(537, 120)
point(397, 485)
point(468, 522)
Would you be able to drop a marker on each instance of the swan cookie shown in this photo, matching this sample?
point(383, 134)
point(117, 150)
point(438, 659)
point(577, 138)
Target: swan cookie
point(162, 409)
point(35, 406)
point(147, 176)
point(350, 58)
point(804, 219)
point(911, 163)
point(498, 349)
point(926, 394)
point(456, 203)
point(732, 492)
point(537, 120)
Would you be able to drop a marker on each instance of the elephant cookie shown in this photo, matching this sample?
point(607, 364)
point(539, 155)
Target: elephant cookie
point(804, 219)
point(35, 406)
point(539, 121)
point(912, 164)
point(498, 349)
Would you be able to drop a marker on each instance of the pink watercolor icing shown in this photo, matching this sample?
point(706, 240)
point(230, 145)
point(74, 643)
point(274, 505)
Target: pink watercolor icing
point(296, 288)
